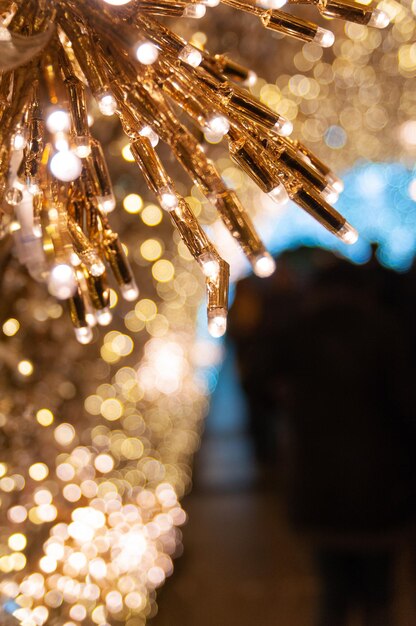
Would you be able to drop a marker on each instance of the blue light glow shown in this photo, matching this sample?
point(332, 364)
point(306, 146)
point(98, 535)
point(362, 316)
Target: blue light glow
point(377, 202)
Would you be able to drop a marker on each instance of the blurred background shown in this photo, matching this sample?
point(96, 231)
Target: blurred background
point(303, 497)
point(303, 505)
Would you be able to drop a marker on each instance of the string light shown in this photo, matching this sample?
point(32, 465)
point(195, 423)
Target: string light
point(56, 181)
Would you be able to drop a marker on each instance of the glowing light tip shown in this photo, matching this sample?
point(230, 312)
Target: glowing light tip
point(107, 104)
point(129, 291)
point(217, 323)
point(147, 53)
point(283, 127)
point(117, 3)
point(279, 195)
point(348, 234)
point(196, 11)
point(209, 265)
point(84, 334)
point(62, 282)
point(379, 19)
point(264, 265)
point(66, 166)
point(324, 38)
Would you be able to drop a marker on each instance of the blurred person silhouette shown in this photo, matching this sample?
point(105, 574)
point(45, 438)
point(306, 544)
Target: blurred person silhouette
point(331, 349)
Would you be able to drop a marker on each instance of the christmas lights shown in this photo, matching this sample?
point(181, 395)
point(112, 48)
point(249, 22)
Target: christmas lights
point(54, 183)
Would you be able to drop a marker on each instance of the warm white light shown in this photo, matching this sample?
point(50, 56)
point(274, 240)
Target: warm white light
point(209, 264)
point(348, 234)
point(117, 3)
point(66, 166)
point(168, 200)
point(330, 194)
point(58, 121)
point(264, 265)
point(191, 56)
point(324, 38)
point(62, 282)
point(129, 291)
point(335, 182)
point(279, 195)
point(217, 323)
point(196, 11)
point(104, 317)
point(218, 124)
point(107, 103)
point(283, 127)
point(19, 140)
point(83, 334)
point(107, 203)
point(147, 53)
point(379, 19)
point(148, 132)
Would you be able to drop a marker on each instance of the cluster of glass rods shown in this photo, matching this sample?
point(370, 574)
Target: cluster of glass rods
point(54, 181)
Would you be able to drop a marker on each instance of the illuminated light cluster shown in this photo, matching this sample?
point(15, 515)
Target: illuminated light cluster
point(59, 188)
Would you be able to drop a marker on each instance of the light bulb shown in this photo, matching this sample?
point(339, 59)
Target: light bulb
point(148, 132)
point(279, 195)
point(129, 291)
point(107, 203)
point(217, 125)
point(82, 147)
point(57, 121)
point(379, 19)
point(196, 11)
point(83, 334)
point(264, 265)
point(335, 182)
point(209, 264)
point(217, 322)
point(190, 55)
point(168, 199)
point(104, 317)
point(107, 103)
point(62, 282)
point(66, 166)
point(97, 268)
point(251, 79)
point(117, 3)
point(19, 140)
point(271, 4)
point(147, 53)
point(324, 38)
point(330, 194)
point(210, 3)
point(283, 127)
point(348, 234)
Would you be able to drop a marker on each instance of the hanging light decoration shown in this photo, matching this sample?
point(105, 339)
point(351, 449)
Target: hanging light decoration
point(54, 182)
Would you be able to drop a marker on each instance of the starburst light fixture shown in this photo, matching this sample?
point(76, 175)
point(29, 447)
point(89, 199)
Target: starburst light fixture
point(54, 182)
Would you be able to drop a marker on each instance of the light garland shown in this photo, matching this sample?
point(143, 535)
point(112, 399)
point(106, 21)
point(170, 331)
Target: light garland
point(54, 182)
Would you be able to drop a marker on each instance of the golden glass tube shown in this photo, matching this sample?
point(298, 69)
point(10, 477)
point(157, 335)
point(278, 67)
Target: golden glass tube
point(85, 250)
point(154, 172)
point(99, 175)
point(217, 306)
point(98, 291)
point(78, 310)
point(85, 51)
point(289, 25)
point(79, 116)
point(324, 213)
point(249, 155)
point(120, 266)
point(234, 71)
point(203, 173)
point(345, 10)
